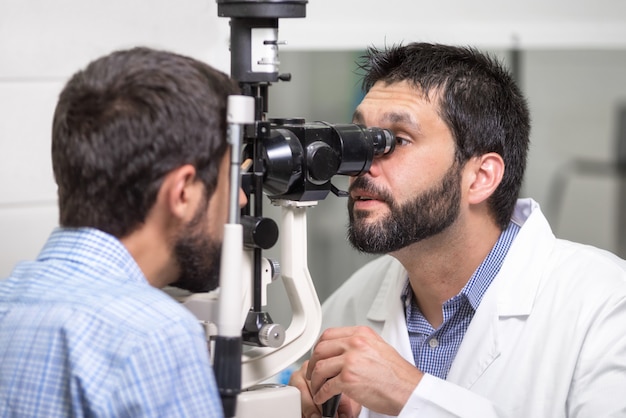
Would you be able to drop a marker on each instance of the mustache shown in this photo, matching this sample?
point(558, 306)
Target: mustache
point(367, 185)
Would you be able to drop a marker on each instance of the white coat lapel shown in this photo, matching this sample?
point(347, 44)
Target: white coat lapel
point(388, 309)
point(480, 345)
point(395, 332)
point(512, 293)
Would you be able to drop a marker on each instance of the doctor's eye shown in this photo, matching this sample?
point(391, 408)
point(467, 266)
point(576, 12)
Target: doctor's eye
point(400, 141)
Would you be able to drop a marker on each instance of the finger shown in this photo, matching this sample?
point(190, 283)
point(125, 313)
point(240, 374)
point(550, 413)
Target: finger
point(327, 390)
point(337, 332)
point(331, 343)
point(323, 351)
point(297, 380)
point(343, 332)
point(310, 409)
point(324, 363)
point(326, 373)
point(348, 407)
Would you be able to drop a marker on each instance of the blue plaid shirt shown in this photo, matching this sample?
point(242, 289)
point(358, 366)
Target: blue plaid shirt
point(83, 334)
point(435, 349)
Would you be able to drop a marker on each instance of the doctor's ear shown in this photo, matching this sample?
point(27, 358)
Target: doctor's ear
point(485, 173)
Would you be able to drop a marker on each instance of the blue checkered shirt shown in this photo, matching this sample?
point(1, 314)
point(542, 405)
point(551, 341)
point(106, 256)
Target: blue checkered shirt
point(83, 334)
point(435, 349)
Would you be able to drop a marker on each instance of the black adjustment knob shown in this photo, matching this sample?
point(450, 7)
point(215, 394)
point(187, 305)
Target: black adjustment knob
point(322, 161)
point(259, 232)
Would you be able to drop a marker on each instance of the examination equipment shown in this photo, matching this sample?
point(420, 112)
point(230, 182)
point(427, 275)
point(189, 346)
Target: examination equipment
point(292, 163)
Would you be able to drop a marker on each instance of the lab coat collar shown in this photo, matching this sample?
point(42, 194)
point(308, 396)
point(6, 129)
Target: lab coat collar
point(389, 293)
point(520, 275)
point(387, 308)
point(511, 294)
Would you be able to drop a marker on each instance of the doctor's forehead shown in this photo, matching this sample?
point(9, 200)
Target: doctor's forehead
point(391, 117)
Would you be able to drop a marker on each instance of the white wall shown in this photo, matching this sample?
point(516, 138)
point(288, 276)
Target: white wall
point(351, 24)
point(574, 97)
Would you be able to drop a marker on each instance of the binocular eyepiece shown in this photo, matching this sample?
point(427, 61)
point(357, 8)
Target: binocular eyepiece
point(301, 158)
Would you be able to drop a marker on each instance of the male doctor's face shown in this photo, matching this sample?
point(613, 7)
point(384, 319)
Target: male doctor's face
point(413, 193)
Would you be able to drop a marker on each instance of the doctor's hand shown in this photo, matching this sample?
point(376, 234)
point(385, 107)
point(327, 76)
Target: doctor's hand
point(347, 407)
point(358, 363)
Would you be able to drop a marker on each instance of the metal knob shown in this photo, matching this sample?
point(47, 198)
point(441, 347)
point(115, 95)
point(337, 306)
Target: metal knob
point(272, 335)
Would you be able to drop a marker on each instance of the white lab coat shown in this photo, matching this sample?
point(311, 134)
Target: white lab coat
point(548, 339)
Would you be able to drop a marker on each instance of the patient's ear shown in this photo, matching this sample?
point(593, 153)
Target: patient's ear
point(180, 192)
point(486, 173)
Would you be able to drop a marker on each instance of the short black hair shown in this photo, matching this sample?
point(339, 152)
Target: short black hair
point(123, 123)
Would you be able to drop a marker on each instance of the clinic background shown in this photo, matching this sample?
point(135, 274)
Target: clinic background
point(568, 55)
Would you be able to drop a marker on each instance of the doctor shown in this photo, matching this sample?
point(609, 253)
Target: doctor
point(477, 310)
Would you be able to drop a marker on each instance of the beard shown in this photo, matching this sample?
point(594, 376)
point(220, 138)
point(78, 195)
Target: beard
point(198, 255)
point(422, 217)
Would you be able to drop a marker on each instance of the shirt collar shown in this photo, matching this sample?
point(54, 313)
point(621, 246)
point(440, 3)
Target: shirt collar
point(478, 284)
point(489, 268)
point(90, 246)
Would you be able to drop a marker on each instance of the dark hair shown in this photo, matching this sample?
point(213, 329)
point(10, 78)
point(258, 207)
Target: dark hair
point(127, 120)
point(478, 100)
